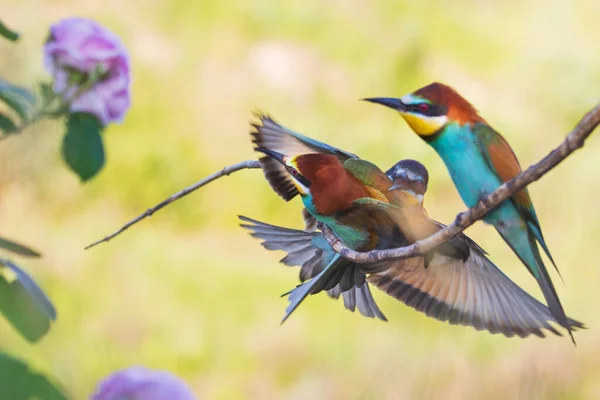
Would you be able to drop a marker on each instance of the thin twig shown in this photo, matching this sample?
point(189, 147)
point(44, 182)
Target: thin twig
point(45, 110)
point(248, 164)
point(572, 142)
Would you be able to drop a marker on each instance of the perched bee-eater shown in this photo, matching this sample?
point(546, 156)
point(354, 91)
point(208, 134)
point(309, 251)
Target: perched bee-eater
point(470, 292)
point(479, 160)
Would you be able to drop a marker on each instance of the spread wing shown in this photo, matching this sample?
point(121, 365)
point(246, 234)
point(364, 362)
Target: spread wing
point(472, 293)
point(269, 134)
point(312, 252)
point(502, 159)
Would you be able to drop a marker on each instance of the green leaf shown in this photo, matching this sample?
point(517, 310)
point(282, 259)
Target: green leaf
point(6, 124)
point(17, 248)
point(24, 304)
point(7, 33)
point(21, 100)
point(82, 148)
point(18, 381)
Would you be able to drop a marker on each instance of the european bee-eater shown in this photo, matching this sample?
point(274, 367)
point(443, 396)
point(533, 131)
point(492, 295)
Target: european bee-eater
point(342, 197)
point(310, 249)
point(472, 292)
point(479, 160)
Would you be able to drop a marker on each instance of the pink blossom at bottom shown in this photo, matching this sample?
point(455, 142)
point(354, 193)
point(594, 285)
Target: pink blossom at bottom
point(140, 383)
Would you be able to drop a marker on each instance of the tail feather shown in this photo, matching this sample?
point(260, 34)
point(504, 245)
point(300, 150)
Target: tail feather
point(537, 232)
point(523, 242)
point(323, 281)
point(312, 252)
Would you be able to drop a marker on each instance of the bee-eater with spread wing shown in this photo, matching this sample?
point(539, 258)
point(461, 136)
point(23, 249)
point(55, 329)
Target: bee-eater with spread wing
point(344, 197)
point(469, 291)
point(311, 251)
point(479, 160)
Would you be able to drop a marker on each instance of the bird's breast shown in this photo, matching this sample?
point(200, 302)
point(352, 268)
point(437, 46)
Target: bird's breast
point(468, 168)
point(353, 237)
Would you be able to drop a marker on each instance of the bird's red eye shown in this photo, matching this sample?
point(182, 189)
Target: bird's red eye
point(423, 107)
point(294, 171)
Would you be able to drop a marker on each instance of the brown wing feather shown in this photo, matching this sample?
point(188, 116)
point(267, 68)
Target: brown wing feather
point(506, 164)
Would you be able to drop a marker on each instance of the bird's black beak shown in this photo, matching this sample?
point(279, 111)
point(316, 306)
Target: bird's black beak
point(390, 102)
point(397, 185)
point(273, 154)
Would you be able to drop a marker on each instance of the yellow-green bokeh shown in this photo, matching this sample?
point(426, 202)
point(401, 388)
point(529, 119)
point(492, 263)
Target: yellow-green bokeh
point(190, 292)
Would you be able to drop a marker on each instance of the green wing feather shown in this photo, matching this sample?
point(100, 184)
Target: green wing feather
point(368, 173)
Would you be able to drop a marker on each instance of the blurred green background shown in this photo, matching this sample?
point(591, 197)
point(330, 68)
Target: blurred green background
point(191, 292)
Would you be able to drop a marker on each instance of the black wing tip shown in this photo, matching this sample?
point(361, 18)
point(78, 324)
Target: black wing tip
point(247, 219)
point(575, 325)
point(278, 179)
point(273, 171)
point(262, 116)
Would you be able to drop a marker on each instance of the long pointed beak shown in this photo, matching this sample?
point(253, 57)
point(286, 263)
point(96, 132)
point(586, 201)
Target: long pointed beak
point(390, 102)
point(273, 154)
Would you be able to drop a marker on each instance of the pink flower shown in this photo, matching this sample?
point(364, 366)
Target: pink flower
point(83, 47)
point(139, 383)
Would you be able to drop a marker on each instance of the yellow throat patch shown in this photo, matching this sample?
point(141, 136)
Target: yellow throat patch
point(423, 125)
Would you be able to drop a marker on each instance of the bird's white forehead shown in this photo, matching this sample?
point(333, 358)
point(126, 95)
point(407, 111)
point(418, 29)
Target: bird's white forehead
point(407, 174)
point(410, 99)
point(411, 175)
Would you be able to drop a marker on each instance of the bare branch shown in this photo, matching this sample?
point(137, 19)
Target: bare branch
point(572, 142)
point(248, 164)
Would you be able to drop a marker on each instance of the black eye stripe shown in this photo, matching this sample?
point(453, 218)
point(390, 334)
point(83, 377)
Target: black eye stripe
point(299, 177)
point(434, 110)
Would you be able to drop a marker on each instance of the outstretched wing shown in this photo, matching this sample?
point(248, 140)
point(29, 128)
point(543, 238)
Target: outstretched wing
point(270, 135)
point(502, 159)
point(472, 293)
point(312, 252)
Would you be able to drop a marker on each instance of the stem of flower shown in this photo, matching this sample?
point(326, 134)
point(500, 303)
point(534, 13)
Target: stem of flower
point(46, 108)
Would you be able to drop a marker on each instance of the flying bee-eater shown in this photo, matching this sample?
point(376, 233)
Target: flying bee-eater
point(479, 160)
point(345, 198)
point(311, 251)
point(472, 292)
